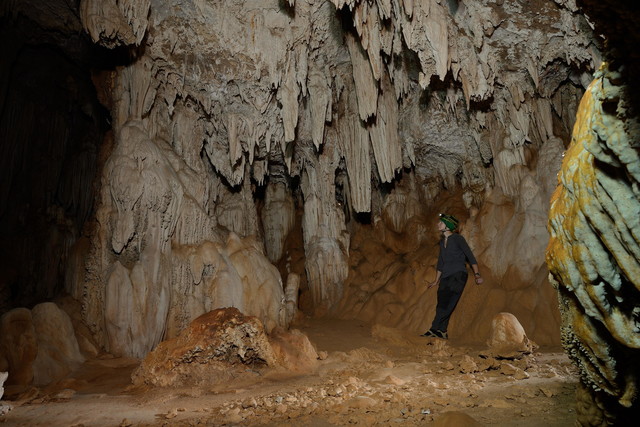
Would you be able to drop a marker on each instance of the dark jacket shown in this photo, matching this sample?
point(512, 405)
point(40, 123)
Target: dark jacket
point(452, 258)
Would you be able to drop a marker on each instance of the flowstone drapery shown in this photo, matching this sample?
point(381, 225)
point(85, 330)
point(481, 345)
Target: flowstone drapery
point(594, 250)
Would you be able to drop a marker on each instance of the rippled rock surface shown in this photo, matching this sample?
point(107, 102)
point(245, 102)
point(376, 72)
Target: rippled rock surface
point(594, 251)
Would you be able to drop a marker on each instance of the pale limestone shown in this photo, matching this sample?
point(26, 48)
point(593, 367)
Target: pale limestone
point(58, 350)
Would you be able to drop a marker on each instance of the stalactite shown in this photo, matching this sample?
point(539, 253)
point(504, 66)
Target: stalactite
point(288, 96)
point(113, 23)
point(366, 85)
point(234, 209)
point(384, 134)
point(353, 138)
point(320, 97)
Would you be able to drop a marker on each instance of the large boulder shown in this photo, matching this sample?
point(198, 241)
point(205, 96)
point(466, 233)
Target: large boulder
point(38, 346)
point(220, 345)
point(508, 339)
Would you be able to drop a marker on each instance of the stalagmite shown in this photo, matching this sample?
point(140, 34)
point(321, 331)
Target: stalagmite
point(325, 237)
point(278, 219)
point(19, 345)
point(291, 297)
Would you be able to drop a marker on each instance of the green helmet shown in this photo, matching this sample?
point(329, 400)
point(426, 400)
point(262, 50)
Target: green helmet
point(450, 221)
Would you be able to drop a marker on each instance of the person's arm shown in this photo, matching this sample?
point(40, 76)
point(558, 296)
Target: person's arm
point(472, 260)
point(438, 269)
point(435, 282)
point(476, 274)
point(464, 246)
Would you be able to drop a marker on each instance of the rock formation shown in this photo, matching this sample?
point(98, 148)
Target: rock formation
point(3, 378)
point(161, 158)
point(4, 408)
point(594, 251)
point(508, 340)
point(349, 124)
point(38, 346)
point(594, 248)
point(221, 345)
point(333, 102)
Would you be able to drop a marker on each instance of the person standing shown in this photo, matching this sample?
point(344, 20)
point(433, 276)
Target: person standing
point(451, 274)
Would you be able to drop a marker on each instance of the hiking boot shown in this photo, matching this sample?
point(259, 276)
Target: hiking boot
point(441, 334)
point(430, 333)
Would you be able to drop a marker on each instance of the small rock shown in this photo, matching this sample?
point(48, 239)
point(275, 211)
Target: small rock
point(467, 365)
point(508, 339)
point(391, 379)
point(233, 416)
point(361, 402)
point(291, 399)
point(67, 393)
point(441, 401)
point(513, 371)
point(547, 392)
point(251, 403)
point(4, 408)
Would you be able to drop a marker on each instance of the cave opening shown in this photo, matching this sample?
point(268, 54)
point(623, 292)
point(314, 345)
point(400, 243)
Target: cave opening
point(52, 130)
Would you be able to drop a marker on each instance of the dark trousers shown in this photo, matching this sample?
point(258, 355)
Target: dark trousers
point(449, 292)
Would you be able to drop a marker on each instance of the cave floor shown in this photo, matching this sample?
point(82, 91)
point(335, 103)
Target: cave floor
point(367, 376)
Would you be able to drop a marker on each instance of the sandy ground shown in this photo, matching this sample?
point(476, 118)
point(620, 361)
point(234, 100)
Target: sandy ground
point(367, 376)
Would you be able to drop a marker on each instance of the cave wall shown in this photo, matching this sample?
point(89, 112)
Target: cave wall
point(236, 125)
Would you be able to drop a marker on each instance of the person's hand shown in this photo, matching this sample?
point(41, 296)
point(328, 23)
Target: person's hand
point(432, 284)
point(479, 280)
